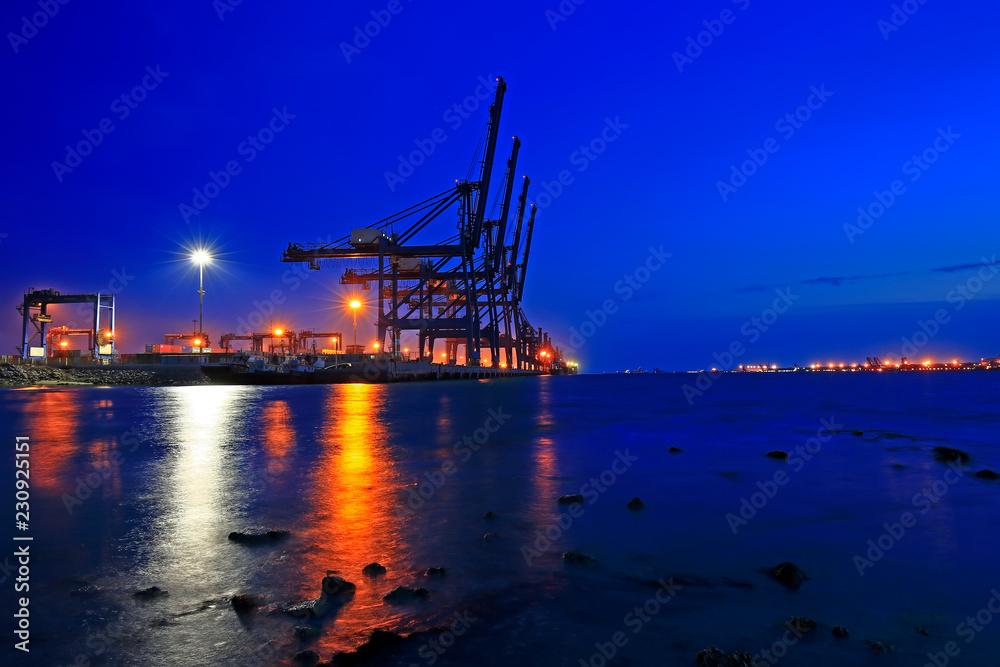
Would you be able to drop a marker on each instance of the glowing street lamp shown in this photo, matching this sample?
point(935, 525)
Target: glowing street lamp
point(201, 258)
point(355, 304)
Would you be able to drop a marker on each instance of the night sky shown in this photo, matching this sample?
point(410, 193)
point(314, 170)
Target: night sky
point(740, 138)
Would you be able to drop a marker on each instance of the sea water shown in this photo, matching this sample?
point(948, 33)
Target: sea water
point(132, 487)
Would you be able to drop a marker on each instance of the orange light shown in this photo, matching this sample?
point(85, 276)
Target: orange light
point(333, 340)
point(376, 346)
point(64, 343)
point(355, 304)
point(443, 355)
point(197, 342)
point(927, 363)
point(278, 332)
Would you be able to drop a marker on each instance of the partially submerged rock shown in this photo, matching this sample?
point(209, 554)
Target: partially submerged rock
point(789, 575)
point(951, 455)
point(373, 569)
point(406, 594)
point(675, 450)
point(800, 624)
point(150, 593)
point(307, 658)
point(434, 572)
point(571, 498)
point(336, 592)
point(636, 504)
point(840, 631)
point(777, 454)
point(489, 515)
point(306, 632)
point(379, 643)
point(259, 536)
point(879, 647)
point(578, 558)
point(713, 656)
point(986, 474)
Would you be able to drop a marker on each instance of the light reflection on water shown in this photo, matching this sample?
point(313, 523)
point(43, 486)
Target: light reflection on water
point(349, 521)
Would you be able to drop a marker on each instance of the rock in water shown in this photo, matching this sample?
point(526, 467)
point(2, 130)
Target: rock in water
point(571, 498)
point(336, 591)
point(951, 455)
point(242, 604)
point(986, 474)
point(879, 647)
point(713, 656)
point(489, 515)
point(840, 631)
point(578, 558)
point(404, 594)
point(636, 504)
point(777, 454)
point(150, 593)
point(434, 572)
point(789, 575)
point(800, 624)
point(379, 643)
point(373, 569)
point(307, 658)
point(258, 537)
point(305, 633)
point(675, 450)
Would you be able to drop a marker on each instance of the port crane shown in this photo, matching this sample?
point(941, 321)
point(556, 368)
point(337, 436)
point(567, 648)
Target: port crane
point(465, 289)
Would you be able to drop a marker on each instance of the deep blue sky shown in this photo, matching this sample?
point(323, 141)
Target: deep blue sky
point(656, 184)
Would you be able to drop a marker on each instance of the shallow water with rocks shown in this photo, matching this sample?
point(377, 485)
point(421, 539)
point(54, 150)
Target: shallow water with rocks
point(141, 487)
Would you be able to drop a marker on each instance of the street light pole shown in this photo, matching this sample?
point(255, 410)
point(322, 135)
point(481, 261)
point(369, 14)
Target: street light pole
point(355, 304)
point(201, 298)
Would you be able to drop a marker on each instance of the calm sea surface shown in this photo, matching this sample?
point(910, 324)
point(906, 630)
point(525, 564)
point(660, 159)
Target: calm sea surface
point(133, 487)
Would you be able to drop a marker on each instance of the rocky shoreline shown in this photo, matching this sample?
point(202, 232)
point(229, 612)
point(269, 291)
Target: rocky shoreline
point(154, 375)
